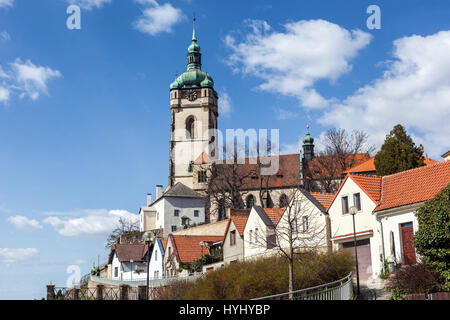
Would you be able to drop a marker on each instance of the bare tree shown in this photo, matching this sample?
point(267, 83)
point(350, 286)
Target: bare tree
point(227, 182)
point(125, 226)
point(301, 229)
point(339, 154)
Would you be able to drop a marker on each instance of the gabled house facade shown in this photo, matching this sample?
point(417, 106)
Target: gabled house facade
point(385, 220)
point(156, 267)
point(182, 250)
point(128, 262)
point(362, 192)
point(177, 208)
point(233, 242)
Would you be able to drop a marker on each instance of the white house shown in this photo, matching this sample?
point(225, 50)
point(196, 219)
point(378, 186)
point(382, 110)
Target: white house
point(177, 208)
point(128, 262)
point(267, 228)
point(156, 267)
point(385, 220)
point(362, 192)
point(402, 194)
point(233, 242)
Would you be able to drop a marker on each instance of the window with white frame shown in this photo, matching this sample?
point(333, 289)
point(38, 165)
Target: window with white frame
point(251, 236)
point(357, 201)
point(345, 208)
point(305, 223)
point(176, 213)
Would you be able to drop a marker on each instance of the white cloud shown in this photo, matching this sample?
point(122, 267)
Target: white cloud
point(291, 62)
point(4, 94)
point(414, 91)
point(87, 222)
point(284, 114)
point(24, 223)
point(6, 3)
point(225, 106)
point(8, 255)
point(4, 36)
point(158, 18)
point(89, 4)
point(26, 79)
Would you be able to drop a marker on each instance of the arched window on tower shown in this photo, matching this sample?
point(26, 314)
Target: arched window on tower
point(190, 128)
point(250, 201)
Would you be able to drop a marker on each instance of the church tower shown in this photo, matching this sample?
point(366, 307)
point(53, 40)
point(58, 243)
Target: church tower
point(194, 113)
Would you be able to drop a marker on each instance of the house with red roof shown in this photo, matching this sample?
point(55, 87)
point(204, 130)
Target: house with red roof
point(305, 215)
point(385, 220)
point(182, 250)
point(233, 242)
point(401, 195)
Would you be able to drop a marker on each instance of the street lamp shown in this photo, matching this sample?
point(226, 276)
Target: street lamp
point(148, 241)
point(353, 211)
point(202, 243)
point(131, 262)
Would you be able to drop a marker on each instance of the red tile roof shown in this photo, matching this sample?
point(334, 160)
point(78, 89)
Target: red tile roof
point(202, 159)
point(371, 185)
point(128, 252)
point(317, 170)
point(239, 222)
point(323, 198)
point(288, 174)
point(413, 186)
point(188, 248)
point(164, 244)
point(369, 165)
point(274, 214)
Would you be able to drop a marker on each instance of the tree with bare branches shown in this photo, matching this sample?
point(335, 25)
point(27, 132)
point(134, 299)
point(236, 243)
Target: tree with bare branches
point(125, 226)
point(300, 229)
point(340, 153)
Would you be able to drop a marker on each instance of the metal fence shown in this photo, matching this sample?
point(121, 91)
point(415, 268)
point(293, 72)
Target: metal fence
point(337, 290)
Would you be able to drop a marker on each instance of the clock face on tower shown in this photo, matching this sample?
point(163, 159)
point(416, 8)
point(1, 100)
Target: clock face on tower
point(191, 95)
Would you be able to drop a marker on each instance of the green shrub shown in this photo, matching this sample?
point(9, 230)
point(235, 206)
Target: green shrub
point(418, 278)
point(266, 276)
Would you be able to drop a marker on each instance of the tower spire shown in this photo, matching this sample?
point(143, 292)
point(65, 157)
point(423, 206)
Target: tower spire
point(194, 38)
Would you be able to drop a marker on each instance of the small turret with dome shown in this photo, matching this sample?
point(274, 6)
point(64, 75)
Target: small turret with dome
point(308, 145)
point(194, 77)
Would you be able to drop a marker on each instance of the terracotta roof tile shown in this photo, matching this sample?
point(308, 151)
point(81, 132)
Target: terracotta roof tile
point(274, 214)
point(371, 185)
point(189, 248)
point(369, 165)
point(413, 186)
point(323, 198)
point(202, 159)
point(239, 223)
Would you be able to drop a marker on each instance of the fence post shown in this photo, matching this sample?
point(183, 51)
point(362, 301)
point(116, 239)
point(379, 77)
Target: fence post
point(100, 291)
point(124, 292)
point(50, 292)
point(141, 292)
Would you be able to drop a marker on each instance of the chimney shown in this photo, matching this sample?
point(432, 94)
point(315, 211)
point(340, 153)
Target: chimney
point(149, 199)
point(158, 191)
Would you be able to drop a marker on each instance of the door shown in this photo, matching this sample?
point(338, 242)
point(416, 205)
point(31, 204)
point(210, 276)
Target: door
point(364, 257)
point(409, 252)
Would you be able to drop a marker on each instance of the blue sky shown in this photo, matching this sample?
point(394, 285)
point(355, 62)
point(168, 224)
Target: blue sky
point(84, 114)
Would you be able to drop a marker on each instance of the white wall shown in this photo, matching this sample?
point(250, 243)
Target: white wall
point(342, 224)
point(258, 246)
point(127, 270)
point(165, 208)
point(391, 222)
point(156, 261)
